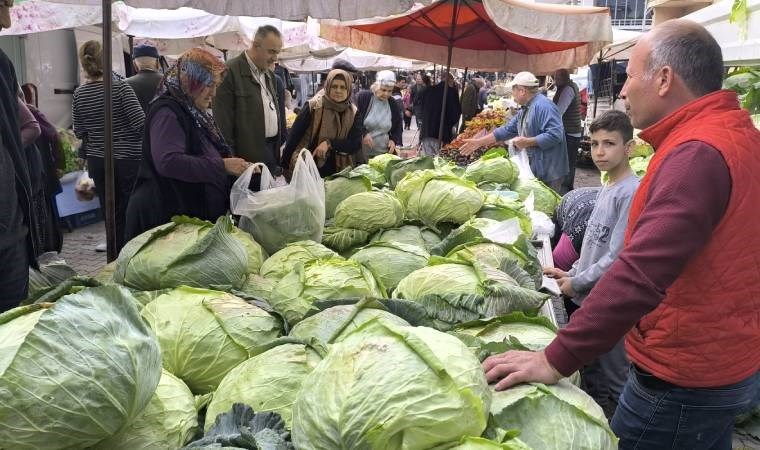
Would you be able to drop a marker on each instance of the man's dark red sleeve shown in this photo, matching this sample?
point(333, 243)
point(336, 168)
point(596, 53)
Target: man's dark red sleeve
point(687, 198)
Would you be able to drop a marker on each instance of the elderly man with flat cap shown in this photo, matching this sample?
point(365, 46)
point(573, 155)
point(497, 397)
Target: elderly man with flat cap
point(685, 289)
point(146, 60)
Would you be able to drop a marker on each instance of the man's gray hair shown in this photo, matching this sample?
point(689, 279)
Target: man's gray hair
point(146, 62)
point(265, 30)
point(691, 51)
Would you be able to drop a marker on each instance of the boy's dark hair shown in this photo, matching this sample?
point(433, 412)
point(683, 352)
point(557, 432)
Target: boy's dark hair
point(613, 121)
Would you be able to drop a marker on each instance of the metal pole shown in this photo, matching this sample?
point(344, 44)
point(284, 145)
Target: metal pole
point(454, 9)
point(596, 82)
point(108, 133)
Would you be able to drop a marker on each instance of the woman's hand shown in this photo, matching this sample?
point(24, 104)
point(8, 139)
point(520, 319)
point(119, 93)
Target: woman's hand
point(391, 147)
point(367, 141)
point(235, 166)
point(321, 151)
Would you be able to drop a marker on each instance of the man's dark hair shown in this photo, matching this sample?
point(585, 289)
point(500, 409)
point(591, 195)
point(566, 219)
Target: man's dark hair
point(613, 121)
point(265, 30)
point(691, 51)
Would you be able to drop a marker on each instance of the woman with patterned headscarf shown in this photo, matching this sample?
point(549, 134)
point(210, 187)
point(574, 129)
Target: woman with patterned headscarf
point(326, 126)
point(186, 164)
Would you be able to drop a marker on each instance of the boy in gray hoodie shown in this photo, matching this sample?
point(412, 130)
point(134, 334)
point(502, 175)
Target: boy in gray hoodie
point(611, 144)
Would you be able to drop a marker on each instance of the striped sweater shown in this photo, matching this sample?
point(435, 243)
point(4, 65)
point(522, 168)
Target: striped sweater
point(128, 120)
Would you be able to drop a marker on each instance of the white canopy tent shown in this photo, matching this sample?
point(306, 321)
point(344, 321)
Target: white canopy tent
point(620, 47)
point(360, 59)
point(738, 50)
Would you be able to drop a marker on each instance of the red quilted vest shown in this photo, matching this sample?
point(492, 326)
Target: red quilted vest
point(706, 331)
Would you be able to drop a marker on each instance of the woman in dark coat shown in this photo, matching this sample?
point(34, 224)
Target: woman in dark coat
point(326, 125)
point(186, 164)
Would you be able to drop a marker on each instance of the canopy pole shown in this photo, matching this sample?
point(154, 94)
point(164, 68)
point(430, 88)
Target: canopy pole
point(108, 133)
point(596, 82)
point(464, 83)
point(454, 10)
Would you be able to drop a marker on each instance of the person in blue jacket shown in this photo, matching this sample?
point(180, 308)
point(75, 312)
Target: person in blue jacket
point(537, 127)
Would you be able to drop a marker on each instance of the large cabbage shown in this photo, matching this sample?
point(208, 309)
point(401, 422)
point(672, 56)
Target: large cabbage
point(168, 422)
point(344, 239)
point(395, 171)
point(532, 333)
point(390, 262)
point(408, 234)
point(392, 387)
point(185, 251)
point(555, 417)
point(370, 211)
point(342, 185)
point(76, 371)
point(336, 322)
point(479, 443)
point(255, 252)
point(454, 292)
point(434, 196)
point(322, 279)
point(380, 162)
point(282, 262)
point(203, 334)
point(499, 208)
point(493, 167)
point(545, 199)
point(266, 382)
point(258, 287)
point(376, 177)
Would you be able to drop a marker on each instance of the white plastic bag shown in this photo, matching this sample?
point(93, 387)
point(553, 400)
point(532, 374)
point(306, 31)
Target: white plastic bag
point(278, 215)
point(520, 157)
point(84, 188)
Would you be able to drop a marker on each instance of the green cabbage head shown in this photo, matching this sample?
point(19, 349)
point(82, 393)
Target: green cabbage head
point(322, 279)
point(432, 197)
point(493, 167)
point(204, 334)
point(168, 422)
point(370, 211)
point(285, 260)
point(375, 176)
point(184, 251)
point(380, 162)
point(553, 417)
point(267, 382)
point(534, 333)
point(408, 234)
point(344, 239)
point(336, 322)
point(545, 199)
point(388, 387)
point(76, 371)
point(342, 185)
point(255, 252)
point(390, 262)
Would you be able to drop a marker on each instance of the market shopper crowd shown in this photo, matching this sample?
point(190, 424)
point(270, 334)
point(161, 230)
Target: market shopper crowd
point(659, 275)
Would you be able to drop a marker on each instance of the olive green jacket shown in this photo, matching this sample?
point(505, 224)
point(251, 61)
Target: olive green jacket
point(239, 113)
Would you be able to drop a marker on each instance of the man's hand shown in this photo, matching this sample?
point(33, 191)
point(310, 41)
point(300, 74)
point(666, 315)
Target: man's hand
point(321, 151)
point(513, 367)
point(523, 142)
point(566, 286)
point(553, 272)
point(470, 145)
point(367, 141)
point(391, 147)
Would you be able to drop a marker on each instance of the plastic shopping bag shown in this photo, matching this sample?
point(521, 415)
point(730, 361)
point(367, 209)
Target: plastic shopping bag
point(278, 215)
point(520, 157)
point(84, 188)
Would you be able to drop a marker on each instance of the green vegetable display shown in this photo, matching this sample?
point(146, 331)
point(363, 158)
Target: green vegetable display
point(322, 279)
point(497, 207)
point(390, 262)
point(76, 371)
point(282, 262)
point(168, 422)
point(344, 239)
point(269, 381)
point(376, 177)
point(555, 417)
point(454, 292)
point(255, 252)
point(370, 212)
point(380, 162)
point(396, 170)
point(493, 167)
point(204, 334)
point(336, 322)
point(408, 234)
point(342, 185)
point(434, 196)
point(391, 387)
point(185, 251)
point(545, 199)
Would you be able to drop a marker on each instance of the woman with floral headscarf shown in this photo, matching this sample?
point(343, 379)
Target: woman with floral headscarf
point(326, 126)
point(186, 164)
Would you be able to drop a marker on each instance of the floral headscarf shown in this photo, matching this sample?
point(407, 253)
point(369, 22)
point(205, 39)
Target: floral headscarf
point(196, 69)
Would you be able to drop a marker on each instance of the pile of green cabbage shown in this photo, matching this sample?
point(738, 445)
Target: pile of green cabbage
point(369, 211)
point(390, 262)
point(433, 197)
point(342, 185)
point(493, 167)
point(545, 199)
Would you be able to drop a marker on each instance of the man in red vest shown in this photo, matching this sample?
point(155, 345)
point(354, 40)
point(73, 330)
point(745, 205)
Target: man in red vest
point(685, 290)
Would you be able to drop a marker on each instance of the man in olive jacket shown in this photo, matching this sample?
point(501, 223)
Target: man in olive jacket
point(246, 104)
